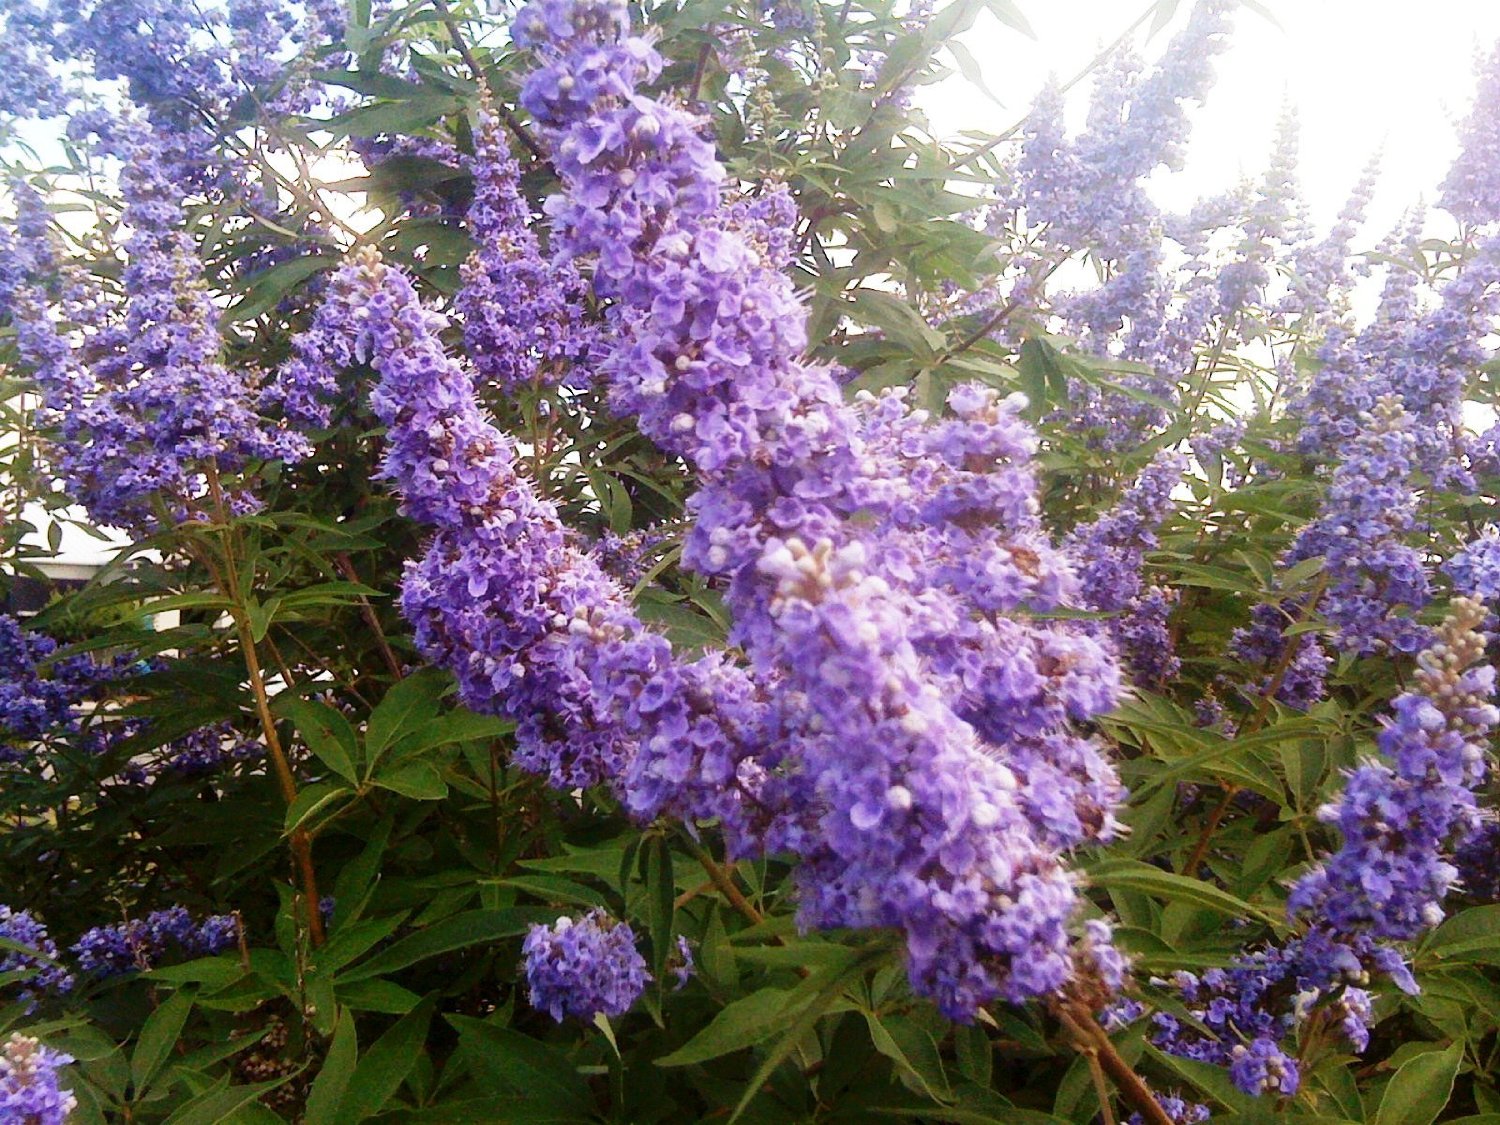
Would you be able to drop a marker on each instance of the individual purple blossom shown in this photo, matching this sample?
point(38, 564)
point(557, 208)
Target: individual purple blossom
point(30, 1091)
point(43, 974)
point(683, 966)
point(584, 967)
point(1263, 1066)
point(1402, 816)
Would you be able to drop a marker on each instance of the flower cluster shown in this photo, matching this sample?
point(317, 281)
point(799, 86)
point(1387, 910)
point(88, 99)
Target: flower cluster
point(521, 312)
point(927, 729)
point(1376, 581)
point(43, 973)
point(43, 696)
point(143, 943)
point(150, 422)
point(30, 1092)
point(1246, 1012)
point(1109, 554)
point(584, 967)
point(1401, 817)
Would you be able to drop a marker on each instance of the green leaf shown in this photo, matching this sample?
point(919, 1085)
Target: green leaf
point(1420, 1089)
point(311, 801)
point(159, 1034)
point(221, 1102)
point(384, 1067)
point(740, 1024)
point(333, 1079)
point(1131, 874)
point(504, 1061)
point(915, 1053)
point(405, 707)
point(473, 927)
point(421, 781)
point(327, 734)
point(660, 901)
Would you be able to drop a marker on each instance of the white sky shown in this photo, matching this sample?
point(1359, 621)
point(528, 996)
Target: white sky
point(1364, 75)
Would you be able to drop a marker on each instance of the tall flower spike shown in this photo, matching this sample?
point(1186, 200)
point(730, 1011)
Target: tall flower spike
point(1471, 190)
point(921, 822)
point(1376, 581)
point(1109, 554)
point(527, 621)
point(523, 316)
point(1403, 815)
point(146, 411)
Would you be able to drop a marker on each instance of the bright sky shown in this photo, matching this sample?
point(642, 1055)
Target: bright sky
point(1365, 75)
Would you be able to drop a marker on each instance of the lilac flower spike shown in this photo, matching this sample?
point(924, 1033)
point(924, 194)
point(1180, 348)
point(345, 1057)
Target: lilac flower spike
point(939, 809)
point(522, 314)
point(146, 411)
point(1402, 816)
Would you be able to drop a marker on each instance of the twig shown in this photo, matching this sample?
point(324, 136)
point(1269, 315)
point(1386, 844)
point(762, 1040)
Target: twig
point(470, 61)
point(367, 611)
point(1093, 1042)
point(721, 880)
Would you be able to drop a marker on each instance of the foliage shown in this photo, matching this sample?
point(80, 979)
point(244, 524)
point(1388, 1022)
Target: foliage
point(765, 632)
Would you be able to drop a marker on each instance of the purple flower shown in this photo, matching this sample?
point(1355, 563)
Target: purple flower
point(29, 1089)
point(584, 967)
point(139, 944)
point(523, 316)
point(871, 556)
point(1402, 816)
point(44, 974)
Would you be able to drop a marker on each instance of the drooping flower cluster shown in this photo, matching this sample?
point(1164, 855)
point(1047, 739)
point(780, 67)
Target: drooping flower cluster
point(43, 973)
point(584, 967)
point(30, 1090)
point(521, 312)
point(1402, 816)
point(138, 944)
point(939, 810)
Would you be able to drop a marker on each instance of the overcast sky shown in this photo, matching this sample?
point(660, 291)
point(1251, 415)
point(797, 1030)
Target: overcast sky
point(1364, 75)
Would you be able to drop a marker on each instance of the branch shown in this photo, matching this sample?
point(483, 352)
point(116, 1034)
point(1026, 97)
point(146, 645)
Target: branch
point(465, 53)
point(1091, 1040)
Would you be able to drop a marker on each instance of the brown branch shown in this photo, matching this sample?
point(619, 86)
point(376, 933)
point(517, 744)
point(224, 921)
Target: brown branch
point(725, 885)
point(1091, 1040)
point(464, 52)
point(367, 611)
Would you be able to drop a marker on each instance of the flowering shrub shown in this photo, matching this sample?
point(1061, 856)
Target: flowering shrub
point(654, 590)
